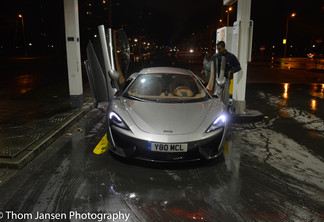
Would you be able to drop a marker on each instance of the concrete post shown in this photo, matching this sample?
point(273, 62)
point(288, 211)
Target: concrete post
point(72, 38)
point(243, 17)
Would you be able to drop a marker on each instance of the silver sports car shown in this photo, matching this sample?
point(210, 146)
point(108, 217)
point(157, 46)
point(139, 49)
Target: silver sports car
point(166, 114)
point(163, 114)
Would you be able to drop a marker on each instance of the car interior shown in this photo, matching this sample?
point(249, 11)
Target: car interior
point(174, 88)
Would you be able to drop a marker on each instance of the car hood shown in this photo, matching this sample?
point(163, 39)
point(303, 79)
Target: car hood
point(168, 118)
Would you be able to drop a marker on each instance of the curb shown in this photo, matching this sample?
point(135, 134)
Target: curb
point(35, 149)
point(250, 116)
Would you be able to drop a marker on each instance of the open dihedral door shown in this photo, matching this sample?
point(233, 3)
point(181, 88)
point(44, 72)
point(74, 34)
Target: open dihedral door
point(218, 84)
point(104, 71)
point(122, 53)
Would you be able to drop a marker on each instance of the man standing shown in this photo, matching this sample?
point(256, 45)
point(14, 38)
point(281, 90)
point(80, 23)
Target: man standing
point(232, 64)
point(223, 64)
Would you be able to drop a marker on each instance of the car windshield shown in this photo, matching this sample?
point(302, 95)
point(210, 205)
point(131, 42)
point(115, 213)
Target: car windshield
point(166, 87)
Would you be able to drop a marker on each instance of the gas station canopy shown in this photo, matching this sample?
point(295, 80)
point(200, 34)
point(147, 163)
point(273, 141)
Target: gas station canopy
point(229, 2)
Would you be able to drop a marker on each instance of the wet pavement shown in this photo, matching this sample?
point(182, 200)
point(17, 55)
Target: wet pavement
point(271, 171)
point(26, 119)
point(33, 101)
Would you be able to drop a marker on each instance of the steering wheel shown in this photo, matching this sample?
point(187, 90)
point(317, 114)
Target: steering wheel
point(178, 91)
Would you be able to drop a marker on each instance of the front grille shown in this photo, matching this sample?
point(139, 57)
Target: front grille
point(127, 144)
point(139, 149)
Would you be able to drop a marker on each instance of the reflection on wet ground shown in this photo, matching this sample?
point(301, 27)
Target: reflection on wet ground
point(31, 105)
point(24, 82)
point(17, 85)
point(297, 63)
point(27, 87)
point(285, 94)
point(19, 76)
point(317, 90)
point(271, 171)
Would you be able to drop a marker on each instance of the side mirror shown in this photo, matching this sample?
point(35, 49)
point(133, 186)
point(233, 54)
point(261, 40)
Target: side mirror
point(114, 74)
point(221, 81)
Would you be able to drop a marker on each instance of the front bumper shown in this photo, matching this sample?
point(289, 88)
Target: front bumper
point(127, 145)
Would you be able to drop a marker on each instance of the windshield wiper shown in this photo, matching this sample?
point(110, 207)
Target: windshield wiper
point(135, 98)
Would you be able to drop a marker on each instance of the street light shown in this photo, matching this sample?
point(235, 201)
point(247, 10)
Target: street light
point(23, 31)
point(220, 22)
point(289, 16)
point(228, 11)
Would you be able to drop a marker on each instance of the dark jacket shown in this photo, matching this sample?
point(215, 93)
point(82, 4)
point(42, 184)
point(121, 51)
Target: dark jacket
point(231, 62)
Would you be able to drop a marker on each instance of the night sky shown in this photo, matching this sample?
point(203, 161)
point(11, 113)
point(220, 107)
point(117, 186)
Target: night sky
point(167, 20)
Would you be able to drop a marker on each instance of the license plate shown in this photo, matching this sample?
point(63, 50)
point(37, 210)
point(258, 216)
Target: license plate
point(168, 147)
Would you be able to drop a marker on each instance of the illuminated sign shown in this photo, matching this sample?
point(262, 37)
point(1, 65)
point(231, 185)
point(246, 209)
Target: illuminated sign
point(284, 41)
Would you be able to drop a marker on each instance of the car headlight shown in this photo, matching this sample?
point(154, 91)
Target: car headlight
point(114, 119)
point(218, 123)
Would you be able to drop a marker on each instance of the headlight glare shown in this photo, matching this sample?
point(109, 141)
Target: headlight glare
point(218, 123)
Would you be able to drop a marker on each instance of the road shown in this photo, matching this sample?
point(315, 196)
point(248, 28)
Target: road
point(271, 171)
point(295, 63)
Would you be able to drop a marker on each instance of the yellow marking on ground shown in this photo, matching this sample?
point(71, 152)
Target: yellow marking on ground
point(102, 146)
point(226, 147)
point(231, 87)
